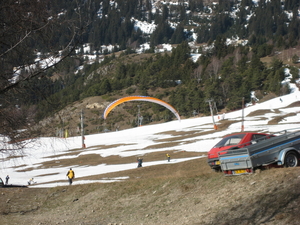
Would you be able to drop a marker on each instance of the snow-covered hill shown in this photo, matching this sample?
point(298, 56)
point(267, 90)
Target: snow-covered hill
point(34, 160)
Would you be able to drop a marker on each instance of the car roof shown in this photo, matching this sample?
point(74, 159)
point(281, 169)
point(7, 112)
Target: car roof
point(244, 133)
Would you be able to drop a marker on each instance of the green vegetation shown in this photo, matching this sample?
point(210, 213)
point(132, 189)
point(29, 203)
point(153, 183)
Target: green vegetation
point(187, 85)
point(224, 73)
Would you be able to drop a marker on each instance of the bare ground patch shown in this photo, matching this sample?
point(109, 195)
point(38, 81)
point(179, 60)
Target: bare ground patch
point(224, 124)
point(294, 104)
point(278, 119)
point(96, 159)
point(181, 135)
point(169, 144)
point(262, 112)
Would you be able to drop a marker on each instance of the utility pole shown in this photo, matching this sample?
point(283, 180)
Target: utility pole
point(82, 130)
point(243, 114)
point(211, 112)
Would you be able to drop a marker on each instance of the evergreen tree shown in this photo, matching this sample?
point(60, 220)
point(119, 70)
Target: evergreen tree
point(162, 34)
point(178, 35)
point(181, 53)
point(105, 87)
point(291, 4)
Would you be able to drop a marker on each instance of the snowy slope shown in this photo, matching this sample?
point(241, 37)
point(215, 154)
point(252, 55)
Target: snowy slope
point(136, 141)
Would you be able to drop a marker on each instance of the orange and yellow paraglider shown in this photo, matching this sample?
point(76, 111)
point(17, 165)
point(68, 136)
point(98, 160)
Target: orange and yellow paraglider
point(112, 105)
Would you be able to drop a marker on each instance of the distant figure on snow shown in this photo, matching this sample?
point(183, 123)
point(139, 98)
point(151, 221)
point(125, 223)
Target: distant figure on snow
point(70, 176)
point(168, 157)
point(31, 181)
point(140, 161)
point(6, 180)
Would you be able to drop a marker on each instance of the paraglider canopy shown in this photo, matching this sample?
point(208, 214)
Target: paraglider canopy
point(112, 105)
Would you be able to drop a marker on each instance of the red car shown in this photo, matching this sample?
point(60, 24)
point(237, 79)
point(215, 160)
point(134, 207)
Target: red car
point(233, 141)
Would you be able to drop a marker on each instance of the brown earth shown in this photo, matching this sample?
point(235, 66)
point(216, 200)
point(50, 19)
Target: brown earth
point(184, 193)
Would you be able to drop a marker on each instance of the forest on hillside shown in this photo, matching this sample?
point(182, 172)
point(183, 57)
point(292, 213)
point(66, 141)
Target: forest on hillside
point(226, 80)
point(226, 73)
point(111, 21)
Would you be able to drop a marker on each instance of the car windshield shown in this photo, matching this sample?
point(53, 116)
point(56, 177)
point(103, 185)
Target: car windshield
point(231, 140)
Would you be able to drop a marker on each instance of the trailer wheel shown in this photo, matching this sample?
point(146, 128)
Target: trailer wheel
point(217, 170)
point(291, 160)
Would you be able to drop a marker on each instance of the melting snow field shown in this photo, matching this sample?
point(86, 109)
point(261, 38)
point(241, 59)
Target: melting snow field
point(130, 142)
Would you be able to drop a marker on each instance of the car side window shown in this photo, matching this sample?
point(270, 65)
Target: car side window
point(231, 140)
point(257, 137)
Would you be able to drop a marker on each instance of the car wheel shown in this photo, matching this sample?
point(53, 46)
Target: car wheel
point(291, 160)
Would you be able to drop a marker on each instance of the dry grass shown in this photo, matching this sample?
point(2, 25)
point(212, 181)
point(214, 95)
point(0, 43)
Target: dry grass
point(294, 104)
point(183, 193)
point(259, 112)
point(278, 119)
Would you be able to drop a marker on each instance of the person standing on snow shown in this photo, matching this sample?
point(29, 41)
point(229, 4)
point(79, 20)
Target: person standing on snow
point(70, 176)
point(168, 157)
point(140, 161)
point(6, 180)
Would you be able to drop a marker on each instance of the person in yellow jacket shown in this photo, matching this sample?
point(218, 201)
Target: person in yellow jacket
point(70, 175)
point(168, 157)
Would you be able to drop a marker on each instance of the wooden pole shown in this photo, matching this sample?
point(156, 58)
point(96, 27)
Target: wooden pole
point(82, 130)
point(212, 113)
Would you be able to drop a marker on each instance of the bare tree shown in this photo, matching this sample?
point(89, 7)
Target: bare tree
point(213, 68)
point(216, 66)
point(198, 73)
point(26, 26)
